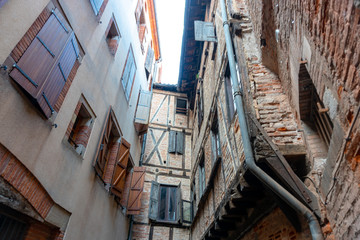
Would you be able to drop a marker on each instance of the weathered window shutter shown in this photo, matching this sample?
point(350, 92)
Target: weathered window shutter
point(172, 142)
point(180, 142)
point(118, 180)
point(149, 59)
point(43, 56)
point(154, 200)
point(178, 203)
point(186, 211)
point(58, 76)
point(129, 74)
point(213, 147)
point(136, 189)
point(143, 111)
point(102, 150)
point(96, 5)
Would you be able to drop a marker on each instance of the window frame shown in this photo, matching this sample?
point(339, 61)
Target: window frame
point(202, 175)
point(167, 203)
point(82, 128)
point(215, 139)
point(113, 42)
point(180, 111)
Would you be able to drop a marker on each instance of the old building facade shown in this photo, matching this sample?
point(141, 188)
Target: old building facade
point(75, 94)
point(298, 68)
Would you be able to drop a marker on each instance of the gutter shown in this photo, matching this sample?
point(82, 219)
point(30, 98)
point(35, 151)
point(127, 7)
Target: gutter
point(298, 206)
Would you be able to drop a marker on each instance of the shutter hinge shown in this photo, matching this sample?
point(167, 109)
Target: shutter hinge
point(48, 103)
point(46, 47)
point(101, 146)
point(25, 75)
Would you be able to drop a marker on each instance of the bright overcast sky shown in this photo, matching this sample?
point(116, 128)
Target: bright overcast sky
point(170, 17)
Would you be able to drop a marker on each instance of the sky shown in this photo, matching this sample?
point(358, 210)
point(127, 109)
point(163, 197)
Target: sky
point(170, 19)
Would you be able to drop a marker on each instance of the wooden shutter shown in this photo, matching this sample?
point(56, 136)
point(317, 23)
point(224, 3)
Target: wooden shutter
point(129, 73)
point(186, 211)
point(154, 200)
point(178, 203)
point(143, 107)
point(213, 147)
point(180, 142)
point(37, 66)
point(118, 181)
point(149, 59)
point(58, 76)
point(136, 189)
point(172, 142)
point(96, 4)
point(102, 151)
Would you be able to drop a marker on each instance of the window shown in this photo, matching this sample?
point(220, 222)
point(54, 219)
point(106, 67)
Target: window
point(229, 95)
point(79, 129)
point(140, 20)
point(112, 148)
point(128, 75)
point(165, 203)
point(112, 35)
point(201, 171)
point(176, 142)
point(200, 105)
point(44, 68)
point(215, 139)
point(181, 106)
point(114, 166)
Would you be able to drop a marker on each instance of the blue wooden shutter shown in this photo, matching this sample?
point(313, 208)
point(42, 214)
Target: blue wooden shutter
point(180, 142)
point(96, 5)
point(154, 200)
point(178, 203)
point(172, 142)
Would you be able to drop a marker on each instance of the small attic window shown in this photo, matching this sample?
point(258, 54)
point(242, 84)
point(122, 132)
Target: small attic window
point(181, 106)
point(113, 36)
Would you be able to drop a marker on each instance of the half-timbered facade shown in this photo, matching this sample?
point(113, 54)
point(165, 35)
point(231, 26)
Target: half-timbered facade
point(166, 209)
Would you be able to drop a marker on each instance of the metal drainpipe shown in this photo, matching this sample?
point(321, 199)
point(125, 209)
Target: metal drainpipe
point(314, 226)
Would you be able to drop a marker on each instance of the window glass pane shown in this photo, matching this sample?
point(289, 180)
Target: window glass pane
point(172, 204)
point(162, 203)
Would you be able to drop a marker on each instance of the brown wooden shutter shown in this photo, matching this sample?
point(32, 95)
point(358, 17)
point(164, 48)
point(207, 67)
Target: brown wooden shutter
point(33, 69)
point(136, 189)
point(58, 76)
point(101, 153)
point(118, 181)
point(37, 61)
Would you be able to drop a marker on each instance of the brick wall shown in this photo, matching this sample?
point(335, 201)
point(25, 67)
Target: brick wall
point(326, 35)
point(275, 226)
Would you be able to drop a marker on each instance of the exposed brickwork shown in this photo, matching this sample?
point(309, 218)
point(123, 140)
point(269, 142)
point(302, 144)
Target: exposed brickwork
point(110, 165)
point(38, 231)
point(273, 108)
point(275, 226)
point(15, 173)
